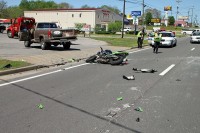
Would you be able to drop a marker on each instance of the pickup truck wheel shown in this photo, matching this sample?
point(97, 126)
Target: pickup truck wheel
point(44, 45)
point(9, 34)
point(67, 45)
point(27, 43)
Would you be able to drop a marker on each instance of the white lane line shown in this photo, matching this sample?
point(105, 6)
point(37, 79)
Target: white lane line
point(167, 70)
point(192, 49)
point(139, 50)
point(20, 80)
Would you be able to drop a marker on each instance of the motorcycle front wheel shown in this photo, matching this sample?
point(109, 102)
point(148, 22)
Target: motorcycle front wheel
point(91, 59)
point(117, 61)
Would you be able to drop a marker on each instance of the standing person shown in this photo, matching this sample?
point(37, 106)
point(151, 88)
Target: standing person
point(142, 38)
point(157, 40)
point(139, 39)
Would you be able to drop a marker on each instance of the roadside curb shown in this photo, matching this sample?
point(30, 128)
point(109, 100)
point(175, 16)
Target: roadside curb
point(35, 67)
point(23, 69)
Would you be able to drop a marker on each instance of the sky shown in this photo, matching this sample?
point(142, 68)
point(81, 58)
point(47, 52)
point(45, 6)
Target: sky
point(185, 6)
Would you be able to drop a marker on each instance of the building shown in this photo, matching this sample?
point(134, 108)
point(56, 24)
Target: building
point(67, 18)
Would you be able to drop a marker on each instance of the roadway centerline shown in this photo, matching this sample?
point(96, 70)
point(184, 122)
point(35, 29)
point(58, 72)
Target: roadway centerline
point(167, 70)
point(41, 75)
point(192, 49)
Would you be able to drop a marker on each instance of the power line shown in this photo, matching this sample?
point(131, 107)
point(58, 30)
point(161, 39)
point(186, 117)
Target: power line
point(178, 1)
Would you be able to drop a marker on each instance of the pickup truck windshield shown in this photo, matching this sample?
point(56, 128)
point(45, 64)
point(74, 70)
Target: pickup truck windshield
point(47, 25)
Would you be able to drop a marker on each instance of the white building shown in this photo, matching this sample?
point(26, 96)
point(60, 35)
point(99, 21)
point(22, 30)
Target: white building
point(67, 18)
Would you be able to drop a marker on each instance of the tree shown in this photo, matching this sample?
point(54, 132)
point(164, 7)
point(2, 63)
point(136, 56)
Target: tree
point(148, 18)
point(113, 9)
point(86, 6)
point(24, 4)
point(114, 26)
point(155, 13)
point(37, 4)
point(64, 5)
point(2, 5)
point(12, 12)
point(171, 20)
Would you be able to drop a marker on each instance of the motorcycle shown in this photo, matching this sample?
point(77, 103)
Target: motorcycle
point(108, 57)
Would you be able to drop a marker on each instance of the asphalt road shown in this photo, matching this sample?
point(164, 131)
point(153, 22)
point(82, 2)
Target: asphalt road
point(82, 98)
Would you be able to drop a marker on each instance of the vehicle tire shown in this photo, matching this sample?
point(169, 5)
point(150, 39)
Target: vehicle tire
point(9, 34)
point(171, 46)
point(175, 45)
point(27, 43)
point(44, 45)
point(67, 45)
point(117, 61)
point(91, 59)
point(184, 33)
point(1, 30)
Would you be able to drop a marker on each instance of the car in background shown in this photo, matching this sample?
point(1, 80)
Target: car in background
point(195, 37)
point(168, 39)
point(2, 28)
point(189, 31)
point(127, 29)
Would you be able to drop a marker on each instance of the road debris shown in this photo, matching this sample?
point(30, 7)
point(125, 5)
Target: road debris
point(119, 98)
point(138, 119)
point(145, 70)
point(111, 114)
point(7, 66)
point(129, 77)
point(40, 106)
point(139, 109)
point(178, 80)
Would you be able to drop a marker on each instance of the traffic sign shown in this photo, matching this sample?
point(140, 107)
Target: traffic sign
point(136, 13)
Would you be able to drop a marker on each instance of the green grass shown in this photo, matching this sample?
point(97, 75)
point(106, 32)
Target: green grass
point(123, 42)
point(14, 64)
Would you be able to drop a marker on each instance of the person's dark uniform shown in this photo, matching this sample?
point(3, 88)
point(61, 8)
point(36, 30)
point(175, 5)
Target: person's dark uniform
point(157, 40)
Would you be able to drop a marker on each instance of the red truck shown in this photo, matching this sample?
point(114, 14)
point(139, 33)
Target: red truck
point(19, 24)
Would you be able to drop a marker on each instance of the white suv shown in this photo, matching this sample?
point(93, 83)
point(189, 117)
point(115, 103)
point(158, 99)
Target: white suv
point(127, 29)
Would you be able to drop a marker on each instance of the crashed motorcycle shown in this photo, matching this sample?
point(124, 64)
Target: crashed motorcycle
point(108, 57)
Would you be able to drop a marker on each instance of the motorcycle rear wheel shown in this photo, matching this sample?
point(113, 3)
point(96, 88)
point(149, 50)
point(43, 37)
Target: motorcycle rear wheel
point(117, 61)
point(91, 59)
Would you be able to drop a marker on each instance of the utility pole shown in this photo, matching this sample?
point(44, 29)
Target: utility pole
point(178, 1)
point(123, 19)
point(192, 16)
point(143, 13)
point(188, 15)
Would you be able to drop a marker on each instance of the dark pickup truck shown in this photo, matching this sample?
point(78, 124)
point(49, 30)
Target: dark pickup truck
point(47, 34)
point(2, 28)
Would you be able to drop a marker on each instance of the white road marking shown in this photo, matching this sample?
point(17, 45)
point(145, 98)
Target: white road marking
point(20, 80)
point(167, 70)
point(139, 50)
point(192, 49)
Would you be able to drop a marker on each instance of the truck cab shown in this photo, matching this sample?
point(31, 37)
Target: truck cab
point(18, 24)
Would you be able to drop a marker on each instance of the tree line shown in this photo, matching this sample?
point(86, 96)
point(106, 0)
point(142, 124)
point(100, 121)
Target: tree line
point(28, 5)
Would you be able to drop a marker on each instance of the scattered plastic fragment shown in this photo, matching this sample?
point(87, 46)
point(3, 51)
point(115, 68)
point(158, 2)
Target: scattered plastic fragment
point(129, 77)
point(126, 105)
point(111, 114)
point(139, 109)
point(178, 80)
point(145, 70)
point(40, 106)
point(7, 66)
point(138, 119)
point(119, 98)
point(71, 60)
